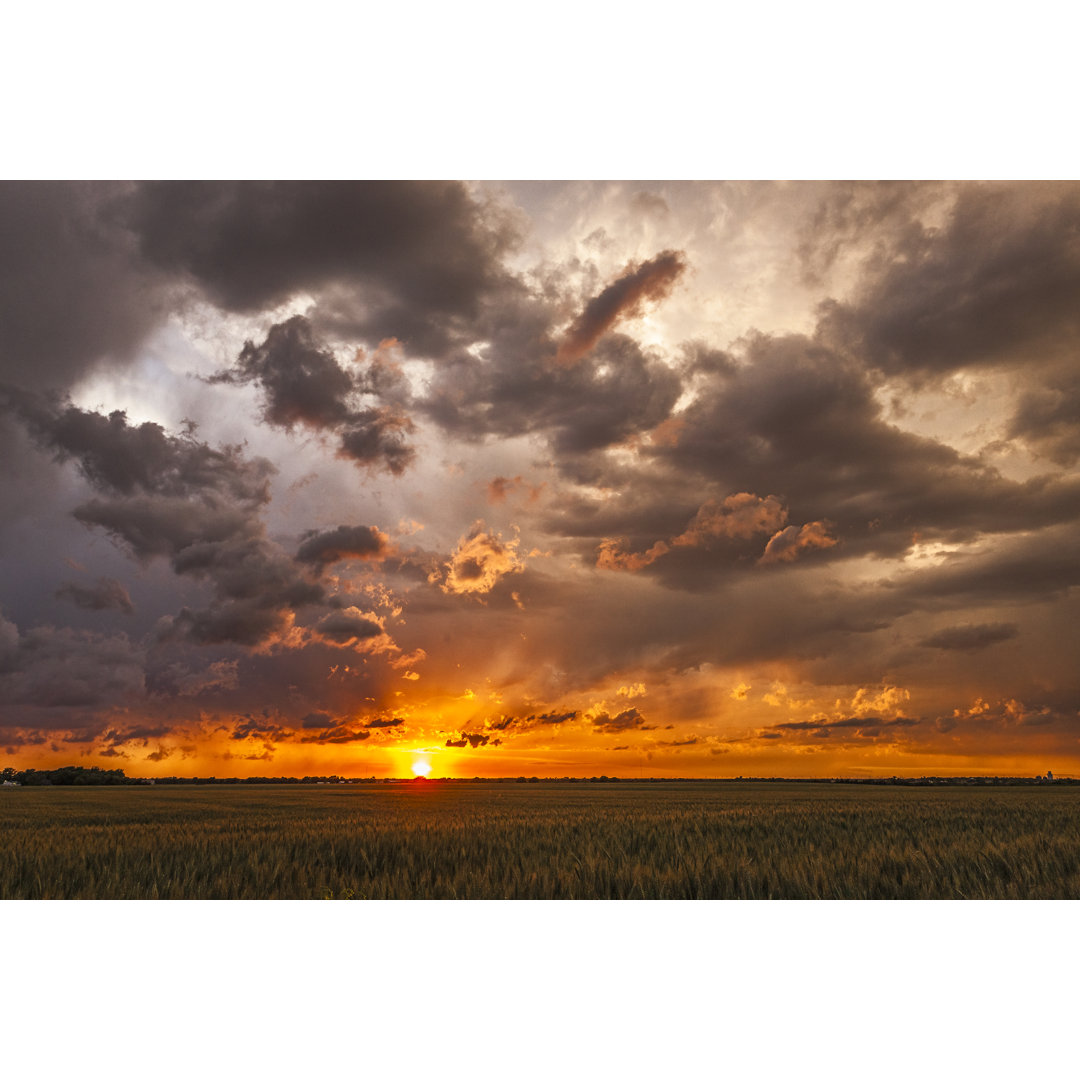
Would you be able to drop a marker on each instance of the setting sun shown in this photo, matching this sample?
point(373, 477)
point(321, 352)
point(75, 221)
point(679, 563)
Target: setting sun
point(421, 767)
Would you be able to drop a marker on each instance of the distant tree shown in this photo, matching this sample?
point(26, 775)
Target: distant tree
point(70, 775)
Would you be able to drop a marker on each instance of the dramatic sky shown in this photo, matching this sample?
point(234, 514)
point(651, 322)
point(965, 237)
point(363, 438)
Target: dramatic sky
point(540, 478)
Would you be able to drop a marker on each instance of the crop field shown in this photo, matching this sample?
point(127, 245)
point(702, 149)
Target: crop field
point(687, 840)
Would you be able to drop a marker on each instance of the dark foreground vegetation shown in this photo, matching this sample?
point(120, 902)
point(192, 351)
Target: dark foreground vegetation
point(79, 776)
point(629, 840)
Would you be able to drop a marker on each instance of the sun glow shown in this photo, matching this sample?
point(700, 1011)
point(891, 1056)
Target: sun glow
point(421, 767)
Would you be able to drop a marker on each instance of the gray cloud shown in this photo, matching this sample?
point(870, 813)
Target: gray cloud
point(614, 394)
point(364, 542)
point(175, 496)
point(624, 297)
point(72, 297)
point(409, 260)
point(376, 437)
point(802, 421)
point(57, 667)
point(998, 283)
point(1047, 416)
point(347, 627)
point(303, 383)
point(971, 637)
point(126, 459)
point(106, 594)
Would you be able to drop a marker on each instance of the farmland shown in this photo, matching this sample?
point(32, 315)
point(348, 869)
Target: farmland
point(684, 840)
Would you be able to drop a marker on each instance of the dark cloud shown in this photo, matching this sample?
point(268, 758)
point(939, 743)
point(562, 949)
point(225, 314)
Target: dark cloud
point(303, 383)
point(319, 719)
point(379, 722)
point(337, 736)
point(410, 260)
point(997, 283)
point(852, 727)
point(1022, 569)
point(220, 676)
point(348, 627)
point(623, 298)
point(345, 542)
point(376, 437)
point(56, 667)
point(554, 717)
point(72, 296)
point(615, 394)
point(469, 739)
point(256, 587)
point(735, 518)
point(106, 594)
point(801, 421)
point(971, 637)
point(252, 727)
point(140, 733)
point(1047, 417)
point(627, 720)
point(126, 459)
point(174, 496)
point(524, 723)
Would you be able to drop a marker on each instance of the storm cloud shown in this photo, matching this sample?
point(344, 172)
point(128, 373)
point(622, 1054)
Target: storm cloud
point(174, 496)
point(409, 260)
point(996, 284)
point(304, 384)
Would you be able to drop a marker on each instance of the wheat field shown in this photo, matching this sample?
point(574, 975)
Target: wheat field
point(625, 841)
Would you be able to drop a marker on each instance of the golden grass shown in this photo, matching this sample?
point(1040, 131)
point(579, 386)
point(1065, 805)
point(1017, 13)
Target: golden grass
point(540, 841)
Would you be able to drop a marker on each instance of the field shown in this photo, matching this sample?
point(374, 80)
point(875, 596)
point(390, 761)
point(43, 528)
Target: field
point(540, 841)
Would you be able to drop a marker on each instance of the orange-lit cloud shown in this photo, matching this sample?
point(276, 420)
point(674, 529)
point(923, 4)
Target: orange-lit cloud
point(788, 544)
point(623, 298)
point(501, 487)
point(480, 559)
point(736, 517)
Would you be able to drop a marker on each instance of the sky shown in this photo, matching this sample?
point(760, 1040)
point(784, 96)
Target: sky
point(539, 478)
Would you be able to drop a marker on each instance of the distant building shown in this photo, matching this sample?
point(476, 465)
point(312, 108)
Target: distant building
point(1049, 776)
